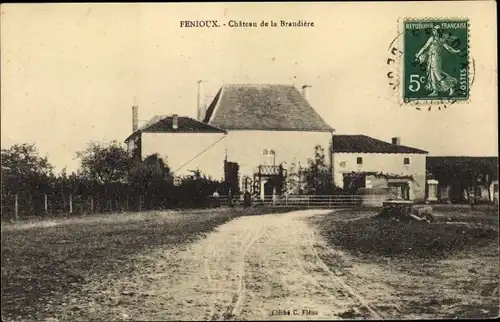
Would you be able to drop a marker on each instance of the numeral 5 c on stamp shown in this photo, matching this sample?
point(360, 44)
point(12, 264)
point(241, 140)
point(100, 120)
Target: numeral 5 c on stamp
point(435, 60)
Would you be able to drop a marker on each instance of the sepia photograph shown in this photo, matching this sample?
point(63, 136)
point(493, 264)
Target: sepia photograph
point(249, 161)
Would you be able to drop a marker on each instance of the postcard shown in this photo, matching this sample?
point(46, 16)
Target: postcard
point(249, 161)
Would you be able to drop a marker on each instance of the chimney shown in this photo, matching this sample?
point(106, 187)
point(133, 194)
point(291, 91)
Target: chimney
point(304, 90)
point(396, 141)
point(175, 122)
point(200, 108)
point(135, 118)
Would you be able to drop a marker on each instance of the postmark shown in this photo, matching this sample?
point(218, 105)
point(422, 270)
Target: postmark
point(430, 63)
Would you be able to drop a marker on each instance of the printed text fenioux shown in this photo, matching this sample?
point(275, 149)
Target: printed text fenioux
point(244, 24)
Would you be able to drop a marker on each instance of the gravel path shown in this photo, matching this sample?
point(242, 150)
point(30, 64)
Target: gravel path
point(252, 268)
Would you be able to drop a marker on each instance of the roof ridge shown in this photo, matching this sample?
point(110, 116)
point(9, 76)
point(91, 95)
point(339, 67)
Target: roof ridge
point(207, 124)
point(265, 107)
point(363, 143)
point(167, 119)
point(374, 138)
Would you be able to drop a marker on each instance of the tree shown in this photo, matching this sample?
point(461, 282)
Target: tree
point(318, 175)
point(24, 172)
point(480, 172)
point(23, 161)
point(293, 179)
point(106, 163)
point(196, 189)
point(151, 177)
point(464, 173)
point(148, 173)
point(23, 169)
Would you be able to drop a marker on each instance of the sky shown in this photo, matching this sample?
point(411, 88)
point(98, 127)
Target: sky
point(70, 73)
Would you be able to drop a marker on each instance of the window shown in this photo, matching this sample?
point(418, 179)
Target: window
point(359, 160)
point(406, 161)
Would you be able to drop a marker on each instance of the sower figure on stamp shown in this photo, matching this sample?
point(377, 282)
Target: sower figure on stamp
point(432, 54)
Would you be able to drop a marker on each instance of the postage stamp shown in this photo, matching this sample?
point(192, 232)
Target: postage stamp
point(435, 58)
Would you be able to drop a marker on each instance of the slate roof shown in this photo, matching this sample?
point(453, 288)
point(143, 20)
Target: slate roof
point(366, 144)
point(263, 107)
point(461, 162)
point(445, 167)
point(163, 124)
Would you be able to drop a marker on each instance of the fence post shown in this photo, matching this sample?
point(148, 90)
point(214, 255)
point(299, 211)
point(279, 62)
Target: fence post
point(70, 203)
point(140, 202)
point(46, 204)
point(128, 209)
point(16, 207)
point(91, 204)
point(330, 201)
point(110, 204)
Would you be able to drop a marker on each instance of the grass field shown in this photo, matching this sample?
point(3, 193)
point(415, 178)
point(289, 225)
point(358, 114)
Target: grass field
point(45, 260)
point(445, 269)
point(448, 268)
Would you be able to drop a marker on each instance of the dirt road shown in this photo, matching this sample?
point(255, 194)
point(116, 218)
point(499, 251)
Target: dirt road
point(308, 265)
point(254, 267)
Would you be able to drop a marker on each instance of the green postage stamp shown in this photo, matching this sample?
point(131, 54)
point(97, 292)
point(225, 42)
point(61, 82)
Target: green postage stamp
point(435, 60)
